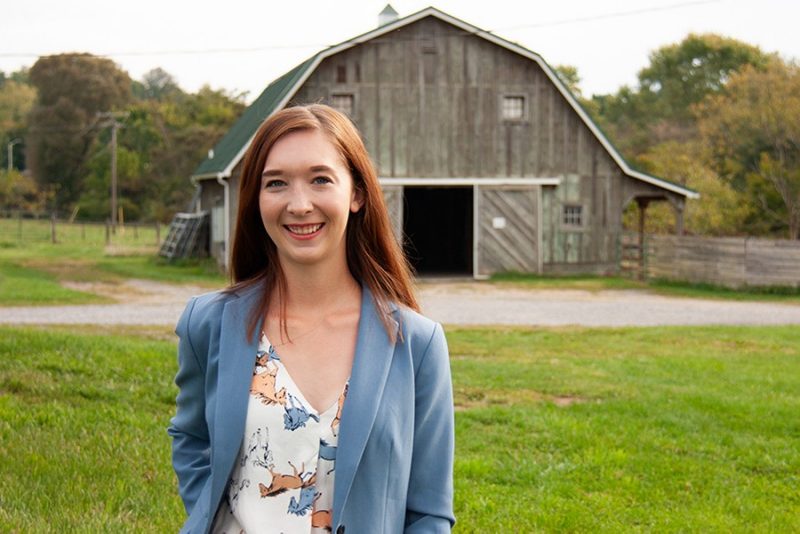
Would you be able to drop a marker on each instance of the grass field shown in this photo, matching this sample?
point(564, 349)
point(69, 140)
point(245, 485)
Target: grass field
point(31, 272)
point(583, 430)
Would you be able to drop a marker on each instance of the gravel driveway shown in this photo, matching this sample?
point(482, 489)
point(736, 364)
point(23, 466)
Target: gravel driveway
point(142, 302)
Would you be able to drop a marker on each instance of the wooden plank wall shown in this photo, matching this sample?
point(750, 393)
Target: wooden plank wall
point(428, 99)
point(393, 197)
point(728, 261)
point(512, 248)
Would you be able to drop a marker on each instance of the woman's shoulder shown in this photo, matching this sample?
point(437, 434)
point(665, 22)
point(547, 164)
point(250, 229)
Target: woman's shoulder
point(417, 329)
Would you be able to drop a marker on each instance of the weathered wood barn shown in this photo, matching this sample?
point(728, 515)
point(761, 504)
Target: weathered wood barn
point(487, 161)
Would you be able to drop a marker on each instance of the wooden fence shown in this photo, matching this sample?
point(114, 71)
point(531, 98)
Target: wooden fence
point(18, 227)
point(726, 261)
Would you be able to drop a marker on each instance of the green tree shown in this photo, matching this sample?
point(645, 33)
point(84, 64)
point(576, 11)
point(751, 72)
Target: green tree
point(678, 76)
point(18, 191)
point(569, 76)
point(720, 210)
point(72, 89)
point(752, 130)
point(16, 101)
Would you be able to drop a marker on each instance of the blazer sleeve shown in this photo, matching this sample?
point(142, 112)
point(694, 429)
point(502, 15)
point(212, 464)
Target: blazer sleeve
point(191, 456)
point(429, 504)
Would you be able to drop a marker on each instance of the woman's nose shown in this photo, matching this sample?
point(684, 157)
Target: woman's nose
point(299, 202)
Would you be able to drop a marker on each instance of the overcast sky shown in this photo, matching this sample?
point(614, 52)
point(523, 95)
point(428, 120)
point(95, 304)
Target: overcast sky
point(241, 46)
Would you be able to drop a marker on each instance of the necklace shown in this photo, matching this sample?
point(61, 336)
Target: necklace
point(295, 338)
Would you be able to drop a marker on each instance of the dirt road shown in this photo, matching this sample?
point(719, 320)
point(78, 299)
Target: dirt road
point(142, 302)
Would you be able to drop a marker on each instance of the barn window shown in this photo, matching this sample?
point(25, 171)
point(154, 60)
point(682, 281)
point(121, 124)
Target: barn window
point(573, 215)
point(343, 102)
point(513, 108)
point(341, 74)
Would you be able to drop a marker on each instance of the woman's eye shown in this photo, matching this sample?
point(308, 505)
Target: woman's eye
point(274, 183)
point(322, 180)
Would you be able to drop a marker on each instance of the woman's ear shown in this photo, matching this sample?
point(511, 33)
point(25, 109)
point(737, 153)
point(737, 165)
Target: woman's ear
point(357, 201)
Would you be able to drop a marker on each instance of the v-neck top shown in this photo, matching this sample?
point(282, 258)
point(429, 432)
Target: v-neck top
point(283, 479)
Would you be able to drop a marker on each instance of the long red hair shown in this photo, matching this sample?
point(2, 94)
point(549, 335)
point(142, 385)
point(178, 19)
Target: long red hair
point(374, 256)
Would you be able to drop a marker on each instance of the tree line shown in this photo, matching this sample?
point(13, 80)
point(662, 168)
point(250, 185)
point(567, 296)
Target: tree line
point(58, 109)
point(721, 117)
point(715, 114)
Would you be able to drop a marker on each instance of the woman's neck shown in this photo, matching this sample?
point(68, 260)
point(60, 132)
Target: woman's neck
point(317, 289)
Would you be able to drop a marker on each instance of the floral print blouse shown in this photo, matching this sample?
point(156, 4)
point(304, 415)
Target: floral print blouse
point(283, 479)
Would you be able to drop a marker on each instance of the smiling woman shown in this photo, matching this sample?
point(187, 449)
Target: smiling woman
point(313, 396)
point(307, 195)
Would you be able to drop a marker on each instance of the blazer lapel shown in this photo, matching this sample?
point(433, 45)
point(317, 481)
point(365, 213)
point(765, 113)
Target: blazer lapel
point(237, 356)
point(371, 364)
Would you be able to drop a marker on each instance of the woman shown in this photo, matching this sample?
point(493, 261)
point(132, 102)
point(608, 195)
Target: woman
point(313, 396)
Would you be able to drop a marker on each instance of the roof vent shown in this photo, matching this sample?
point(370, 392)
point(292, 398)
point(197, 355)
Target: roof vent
point(210, 153)
point(387, 15)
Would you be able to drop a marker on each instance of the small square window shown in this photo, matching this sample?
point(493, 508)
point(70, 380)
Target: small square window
point(573, 215)
point(513, 108)
point(343, 103)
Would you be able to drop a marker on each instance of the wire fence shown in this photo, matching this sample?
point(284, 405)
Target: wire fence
point(24, 227)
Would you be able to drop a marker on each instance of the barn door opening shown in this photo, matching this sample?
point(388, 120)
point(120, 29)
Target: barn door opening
point(437, 224)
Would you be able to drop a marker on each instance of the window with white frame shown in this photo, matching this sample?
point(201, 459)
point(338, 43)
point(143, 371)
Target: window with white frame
point(573, 215)
point(343, 103)
point(513, 108)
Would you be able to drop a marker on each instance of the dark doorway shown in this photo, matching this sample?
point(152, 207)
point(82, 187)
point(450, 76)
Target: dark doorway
point(437, 223)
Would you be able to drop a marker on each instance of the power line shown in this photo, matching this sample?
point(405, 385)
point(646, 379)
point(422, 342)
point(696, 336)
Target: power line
point(613, 15)
point(562, 22)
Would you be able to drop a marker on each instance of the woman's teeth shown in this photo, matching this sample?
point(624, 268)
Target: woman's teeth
point(305, 229)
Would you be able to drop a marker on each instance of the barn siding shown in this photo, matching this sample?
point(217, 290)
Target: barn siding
point(393, 197)
point(428, 98)
point(513, 248)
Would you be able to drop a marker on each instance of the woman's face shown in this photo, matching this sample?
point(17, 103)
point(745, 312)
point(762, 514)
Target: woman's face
point(306, 197)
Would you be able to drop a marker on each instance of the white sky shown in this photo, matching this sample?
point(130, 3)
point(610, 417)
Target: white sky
point(242, 46)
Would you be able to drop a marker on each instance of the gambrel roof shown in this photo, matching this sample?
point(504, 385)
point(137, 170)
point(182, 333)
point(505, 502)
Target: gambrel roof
point(231, 148)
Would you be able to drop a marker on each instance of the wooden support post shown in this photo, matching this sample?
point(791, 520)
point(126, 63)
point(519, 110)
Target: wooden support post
point(53, 228)
point(108, 232)
point(642, 203)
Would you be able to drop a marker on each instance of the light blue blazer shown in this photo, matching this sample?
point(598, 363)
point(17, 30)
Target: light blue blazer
point(394, 467)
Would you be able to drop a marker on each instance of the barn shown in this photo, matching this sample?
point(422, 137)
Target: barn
point(487, 162)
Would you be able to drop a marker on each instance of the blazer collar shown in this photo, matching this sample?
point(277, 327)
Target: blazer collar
point(374, 350)
point(237, 356)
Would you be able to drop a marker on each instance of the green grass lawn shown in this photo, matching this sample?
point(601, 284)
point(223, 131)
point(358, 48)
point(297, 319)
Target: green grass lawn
point(30, 273)
point(586, 430)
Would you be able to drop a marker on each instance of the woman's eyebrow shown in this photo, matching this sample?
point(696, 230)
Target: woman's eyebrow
point(321, 168)
point(315, 168)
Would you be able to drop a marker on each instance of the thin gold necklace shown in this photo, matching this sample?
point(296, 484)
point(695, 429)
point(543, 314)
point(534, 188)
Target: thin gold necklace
point(291, 340)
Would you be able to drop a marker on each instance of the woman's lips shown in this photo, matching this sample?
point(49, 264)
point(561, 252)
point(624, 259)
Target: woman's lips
point(303, 231)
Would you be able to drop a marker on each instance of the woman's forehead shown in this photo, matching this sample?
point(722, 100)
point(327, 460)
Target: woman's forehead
point(305, 148)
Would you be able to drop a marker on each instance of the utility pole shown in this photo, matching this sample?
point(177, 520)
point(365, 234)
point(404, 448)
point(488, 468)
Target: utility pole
point(112, 120)
point(11, 152)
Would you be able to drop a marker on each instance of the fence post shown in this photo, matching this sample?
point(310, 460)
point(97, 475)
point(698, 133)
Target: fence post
point(53, 227)
point(108, 232)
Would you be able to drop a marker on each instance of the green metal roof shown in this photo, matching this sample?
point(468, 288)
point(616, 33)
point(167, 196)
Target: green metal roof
point(243, 129)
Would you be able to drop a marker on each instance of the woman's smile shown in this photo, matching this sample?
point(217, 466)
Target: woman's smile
point(304, 231)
